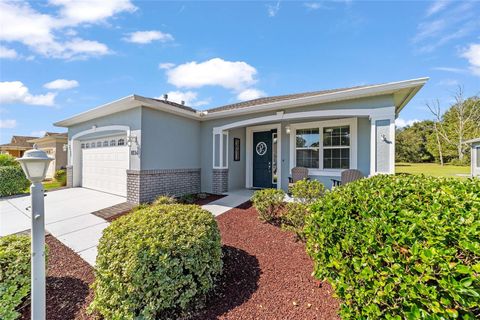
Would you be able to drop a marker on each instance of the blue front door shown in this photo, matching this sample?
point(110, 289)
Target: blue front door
point(262, 159)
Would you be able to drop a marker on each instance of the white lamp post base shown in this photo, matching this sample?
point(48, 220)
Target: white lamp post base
point(38, 304)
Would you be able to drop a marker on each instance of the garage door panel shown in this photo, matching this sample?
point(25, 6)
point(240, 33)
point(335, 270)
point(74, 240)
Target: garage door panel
point(104, 169)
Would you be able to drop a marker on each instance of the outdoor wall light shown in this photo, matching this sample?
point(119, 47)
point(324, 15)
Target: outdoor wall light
point(35, 164)
point(287, 129)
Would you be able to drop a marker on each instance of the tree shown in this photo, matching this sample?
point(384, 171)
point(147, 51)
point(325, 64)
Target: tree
point(411, 142)
point(459, 123)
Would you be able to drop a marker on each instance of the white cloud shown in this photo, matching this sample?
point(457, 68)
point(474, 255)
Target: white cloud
point(437, 6)
point(7, 53)
point(8, 123)
point(250, 94)
point(39, 133)
point(399, 122)
point(44, 33)
point(472, 54)
point(449, 69)
point(17, 92)
point(189, 97)
point(313, 5)
point(235, 75)
point(272, 9)
point(148, 36)
point(166, 65)
point(74, 12)
point(61, 84)
point(448, 82)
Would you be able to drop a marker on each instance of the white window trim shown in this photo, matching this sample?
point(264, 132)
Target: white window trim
point(352, 122)
point(249, 153)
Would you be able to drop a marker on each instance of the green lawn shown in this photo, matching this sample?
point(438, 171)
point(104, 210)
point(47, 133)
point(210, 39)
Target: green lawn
point(47, 185)
point(432, 169)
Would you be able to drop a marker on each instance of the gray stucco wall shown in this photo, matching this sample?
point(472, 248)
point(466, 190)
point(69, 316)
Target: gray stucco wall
point(236, 172)
point(169, 141)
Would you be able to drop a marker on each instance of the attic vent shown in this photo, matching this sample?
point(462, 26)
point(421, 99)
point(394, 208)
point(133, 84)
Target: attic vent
point(183, 102)
point(165, 97)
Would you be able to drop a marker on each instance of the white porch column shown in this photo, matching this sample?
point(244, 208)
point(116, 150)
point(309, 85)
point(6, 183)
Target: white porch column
point(220, 161)
point(382, 145)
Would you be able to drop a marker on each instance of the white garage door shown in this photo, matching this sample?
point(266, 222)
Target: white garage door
point(104, 166)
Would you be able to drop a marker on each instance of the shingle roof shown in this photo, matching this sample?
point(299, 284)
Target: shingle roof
point(174, 104)
point(50, 134)
point(19, 142)
point(259, 101)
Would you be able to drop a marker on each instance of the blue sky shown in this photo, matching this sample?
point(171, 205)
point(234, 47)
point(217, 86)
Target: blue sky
point(61, 57)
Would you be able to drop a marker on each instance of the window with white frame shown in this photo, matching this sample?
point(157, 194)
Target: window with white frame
point(324, 146)
point(307, 142)
point(336, 147)
point(478, 156)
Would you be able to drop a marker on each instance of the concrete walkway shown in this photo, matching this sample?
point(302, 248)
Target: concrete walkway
point(232, 200)
point(67, 217)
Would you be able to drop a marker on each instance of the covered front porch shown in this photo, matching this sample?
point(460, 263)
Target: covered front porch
point(260, 152)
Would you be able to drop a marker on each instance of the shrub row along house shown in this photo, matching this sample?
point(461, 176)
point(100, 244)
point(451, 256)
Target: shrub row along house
point(141, 147)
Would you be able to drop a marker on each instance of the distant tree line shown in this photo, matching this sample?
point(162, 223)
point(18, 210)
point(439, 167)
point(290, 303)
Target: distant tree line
point(441, 139)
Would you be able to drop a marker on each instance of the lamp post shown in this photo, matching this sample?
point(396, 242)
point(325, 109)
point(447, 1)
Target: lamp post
point(35, 164)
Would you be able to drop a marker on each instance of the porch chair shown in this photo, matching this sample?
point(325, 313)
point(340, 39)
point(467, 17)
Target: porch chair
point(347, 176)
point(298, 173)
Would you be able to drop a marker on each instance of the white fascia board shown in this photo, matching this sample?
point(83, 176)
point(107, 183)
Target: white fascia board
point(375, 90)
point(101, 111)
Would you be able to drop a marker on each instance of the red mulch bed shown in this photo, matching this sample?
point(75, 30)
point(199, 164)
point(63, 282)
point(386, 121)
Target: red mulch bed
point(267, 275)
point(68, 280)
point(208, 199)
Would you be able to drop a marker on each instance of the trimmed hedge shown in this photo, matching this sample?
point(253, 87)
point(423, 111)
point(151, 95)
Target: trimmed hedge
point(14, 274)
point(157, 262)
point(307, 191)
point(12, 181)
point(400, 247)
point(61, 177)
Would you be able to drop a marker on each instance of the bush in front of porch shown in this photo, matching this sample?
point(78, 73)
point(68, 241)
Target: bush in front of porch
point(400, 247)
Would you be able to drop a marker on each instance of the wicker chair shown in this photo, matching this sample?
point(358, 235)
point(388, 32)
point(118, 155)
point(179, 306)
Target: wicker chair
point(349, 175)
point(298, 173)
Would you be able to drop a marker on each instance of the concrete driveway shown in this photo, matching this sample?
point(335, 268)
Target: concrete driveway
point(67, 217)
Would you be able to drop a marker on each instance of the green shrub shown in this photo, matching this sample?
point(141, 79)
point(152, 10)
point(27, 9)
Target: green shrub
point(164, 200)
point(14, 274)
point(61, 177)
point(307, 191)
point(12, 181)
point(293, 218)
point(268, 203)
point(157, 262)
point(7, 160)
point(400, 247)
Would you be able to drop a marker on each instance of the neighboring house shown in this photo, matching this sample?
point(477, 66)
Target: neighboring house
point(475, 159)
point(54, 144)
point(17, 146)
point(141, 147)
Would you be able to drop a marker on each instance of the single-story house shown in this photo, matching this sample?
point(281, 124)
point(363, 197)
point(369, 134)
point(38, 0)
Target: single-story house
point(141, 147)
point(54, 144)
point(17, 146)
point(475, 159)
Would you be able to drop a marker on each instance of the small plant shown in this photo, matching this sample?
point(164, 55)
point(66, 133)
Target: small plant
point(14, 274)
point(12, 181)
point(293, 218)
point(268, 203)
point(61, 177)
point(7, 160)
point(157, 263)
point(307, 191)
point(164, 200)
point(400, 247)
point(187, 198)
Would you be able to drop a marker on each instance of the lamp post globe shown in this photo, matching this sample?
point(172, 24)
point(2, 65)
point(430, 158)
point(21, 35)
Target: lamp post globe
point(35, 164)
